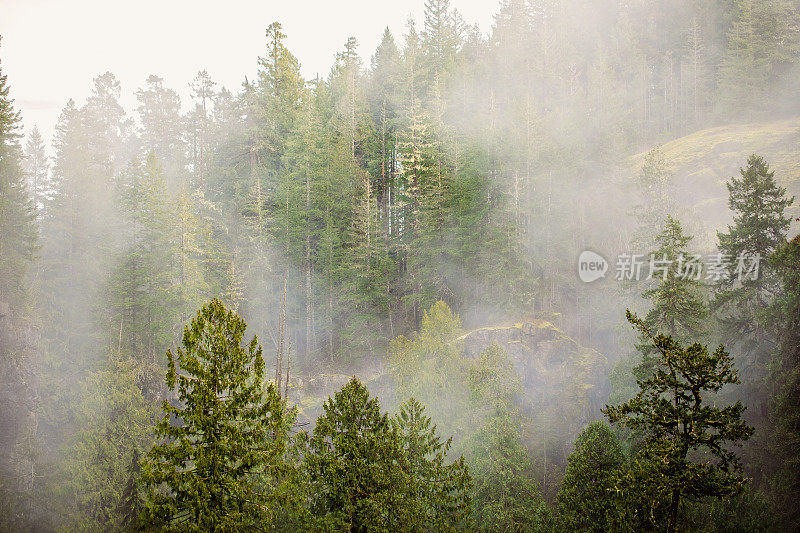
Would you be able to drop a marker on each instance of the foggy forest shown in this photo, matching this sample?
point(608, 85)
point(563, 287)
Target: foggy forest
point(539, 276)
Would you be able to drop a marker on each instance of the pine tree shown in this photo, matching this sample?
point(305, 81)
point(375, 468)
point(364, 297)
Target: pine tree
point(18, 235)
point(230, 429)
point(672, 416)
point(430, 365)
point(679, 306)
point(356, 466)
point(162, 129)
point(440, 38)
point(143, 310)
point(507, 495)
point(760, 226)
point(586, 493)
point(785, 378)
point(95, 479)
point(19, 370)
point(653, 181)
point(203, 94)
point(440, 494)
point(762, 43)
point(37, 168)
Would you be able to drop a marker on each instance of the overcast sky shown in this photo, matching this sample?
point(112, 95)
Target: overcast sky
point(52, 49)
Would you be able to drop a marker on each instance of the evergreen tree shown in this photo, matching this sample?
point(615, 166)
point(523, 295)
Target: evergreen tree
point(785, 378)
point(358, 472)
point(19, 369)
point(679, 306)
point(759, 227)
point(37, 169)
point(203, 94)
point(586, 493)
point(430, 366)
point(440, 494)
point(162, 128)
point(222, 429)
point(685, 450)
point(18, 233)
point(762, 43)
point(143, 304)
point(507, 495)
point(96, 484)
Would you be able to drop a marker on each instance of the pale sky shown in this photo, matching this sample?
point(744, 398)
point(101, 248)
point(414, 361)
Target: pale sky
point(52, 49)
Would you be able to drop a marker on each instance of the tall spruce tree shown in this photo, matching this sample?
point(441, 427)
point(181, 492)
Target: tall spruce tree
point(220, 430)
point(19, 235)
point(759, 227)
point(587, 491)
point(440, 493)
point(679, 306)
point(37, 168)
point(358, 471)
point(19, 373)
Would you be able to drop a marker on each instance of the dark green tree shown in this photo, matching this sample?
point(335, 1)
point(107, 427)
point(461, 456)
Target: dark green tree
point(679, 306)
point(685, 441)
point(19, 372)
point(358, 472)
point(785, 378)
point(586, 493)
point(759, 228)
point(440, 494)
point(507, 495)
point(220, 431)
point(18, 234)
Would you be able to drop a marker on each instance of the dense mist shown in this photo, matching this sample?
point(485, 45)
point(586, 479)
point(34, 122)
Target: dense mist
point(540, 278)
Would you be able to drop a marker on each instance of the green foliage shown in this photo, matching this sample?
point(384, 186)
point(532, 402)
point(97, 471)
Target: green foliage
point(681, 433)
point(679, 306)
point(356, 465)
point(493, 379)
point(18, 233)
point(97, 484)
point(431, 366)
point(759, 228)
point(785, 377)
point(439, 494)
point(224, 430)
point(587, 491)
point(507, 495)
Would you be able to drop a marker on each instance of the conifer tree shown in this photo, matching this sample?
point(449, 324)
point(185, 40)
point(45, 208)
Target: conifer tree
point(18, 234)
point(96, 483)
point(440, 494)
point(200, 476)
point(759, 228)
point(19, 372)
point(37, 168)
point(679, 306)
point(785, 377)
point(586, 493)
point(143, 301)
point(507, 495)
point(686, 442)
point(358, 472)
point(162, 129)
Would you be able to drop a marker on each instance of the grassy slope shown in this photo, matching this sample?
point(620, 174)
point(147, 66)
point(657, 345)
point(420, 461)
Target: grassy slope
point(705, 160)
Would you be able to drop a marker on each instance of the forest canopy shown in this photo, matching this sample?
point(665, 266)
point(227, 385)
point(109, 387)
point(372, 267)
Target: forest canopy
point(541, 276)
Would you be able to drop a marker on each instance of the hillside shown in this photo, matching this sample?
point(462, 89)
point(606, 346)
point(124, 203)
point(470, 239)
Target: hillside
point(705, 160)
